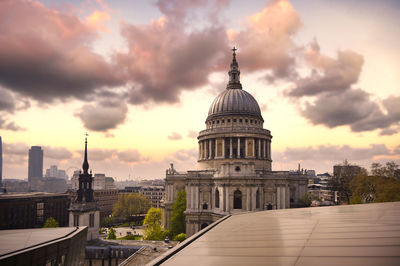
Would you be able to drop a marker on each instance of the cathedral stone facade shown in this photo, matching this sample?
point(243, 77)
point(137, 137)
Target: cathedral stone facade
point(234, 166)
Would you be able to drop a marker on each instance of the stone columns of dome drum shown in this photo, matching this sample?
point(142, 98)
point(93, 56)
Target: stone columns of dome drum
point(209, 149)
point(199, 150)
point(202, 150)
point(265, 148)
point(238, 148)
point(230, 148)
point(259, 148)
point(246, 148)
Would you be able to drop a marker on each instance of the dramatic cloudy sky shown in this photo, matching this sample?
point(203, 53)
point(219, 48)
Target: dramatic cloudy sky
point(139, 77)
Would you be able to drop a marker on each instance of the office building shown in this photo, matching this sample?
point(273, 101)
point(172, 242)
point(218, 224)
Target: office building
point(35, 164)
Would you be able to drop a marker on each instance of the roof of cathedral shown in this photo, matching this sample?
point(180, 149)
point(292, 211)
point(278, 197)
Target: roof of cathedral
point(234, 100)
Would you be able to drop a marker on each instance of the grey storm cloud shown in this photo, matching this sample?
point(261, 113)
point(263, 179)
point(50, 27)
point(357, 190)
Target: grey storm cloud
point(103, 115)
point(335, 102)
point(7, 125)
point(339, 109)
point(388, 132)
point(97, 154)
point(354, 108)
point(7, 102)
point(182, 156)
point(59, 153)
point(160, 69)
point(129, 156)
point(266, 41)
point(330, 74)
point(175, 136)
point(18, 148)
point(186, 155)
point(336, 153)
point(22, 149)
point(45, 55)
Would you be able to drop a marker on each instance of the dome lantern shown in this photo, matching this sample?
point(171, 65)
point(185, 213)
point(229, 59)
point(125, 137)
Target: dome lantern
point(234, 100)
point(234, 73)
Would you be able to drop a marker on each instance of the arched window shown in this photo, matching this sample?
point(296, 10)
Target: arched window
point(216, 198)
point(205, 206)
point(258, 199)
point(204, 225)
point(237, 199)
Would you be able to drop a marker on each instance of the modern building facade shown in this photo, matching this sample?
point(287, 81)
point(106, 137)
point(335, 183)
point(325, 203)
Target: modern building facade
point(54, 172)
point(35, 165)
point(234, 164)
point(31, 210)
point(84, 210)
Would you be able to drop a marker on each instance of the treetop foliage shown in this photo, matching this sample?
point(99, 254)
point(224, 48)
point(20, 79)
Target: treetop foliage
point(382, 186)
point(391, 169)
point(50, 223)
point(130, 204)
point(152, 223)
point(111, 234)
point(177, 221)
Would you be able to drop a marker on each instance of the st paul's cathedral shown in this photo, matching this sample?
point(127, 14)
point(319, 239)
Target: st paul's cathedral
point(234, 165)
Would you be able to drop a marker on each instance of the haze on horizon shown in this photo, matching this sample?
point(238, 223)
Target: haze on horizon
point(140, 77)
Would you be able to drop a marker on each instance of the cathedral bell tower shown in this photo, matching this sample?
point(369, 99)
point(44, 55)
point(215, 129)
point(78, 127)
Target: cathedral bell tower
point(84, 210)
point(85, 191)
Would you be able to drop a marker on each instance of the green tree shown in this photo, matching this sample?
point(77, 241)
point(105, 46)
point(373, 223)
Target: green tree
point(367, 189)
point(307, 199)
point(130, 205)
point(107, 222)
point(111, 234)
point(177, 221)
point(389, 170)
point(341, 179)
point(152, 223)
point(180, 237)
point(50, 222)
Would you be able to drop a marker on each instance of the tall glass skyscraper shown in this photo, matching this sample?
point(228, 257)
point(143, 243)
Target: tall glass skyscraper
point(35, 167)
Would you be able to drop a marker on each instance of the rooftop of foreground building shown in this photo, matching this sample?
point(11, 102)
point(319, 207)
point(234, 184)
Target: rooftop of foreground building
point(367, 234)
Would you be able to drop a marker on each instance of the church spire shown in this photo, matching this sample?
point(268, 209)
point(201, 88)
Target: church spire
point(234, 73)
point(85, 164)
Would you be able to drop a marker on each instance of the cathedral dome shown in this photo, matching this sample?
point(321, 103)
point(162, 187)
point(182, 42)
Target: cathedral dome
point(234, 101)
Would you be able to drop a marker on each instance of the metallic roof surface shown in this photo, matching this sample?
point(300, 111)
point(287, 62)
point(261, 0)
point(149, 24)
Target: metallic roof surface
point(234, 102)
point(364, 234)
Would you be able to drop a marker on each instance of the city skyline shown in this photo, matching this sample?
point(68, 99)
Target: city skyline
point(140, 78)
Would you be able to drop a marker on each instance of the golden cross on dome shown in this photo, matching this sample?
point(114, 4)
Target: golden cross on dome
point(234, 49)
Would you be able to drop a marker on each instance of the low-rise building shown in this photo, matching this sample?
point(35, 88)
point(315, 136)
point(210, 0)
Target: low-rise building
point(30, 210)
point(153, 193)
point(105, 198)
point(44, 246)
point(135, 189)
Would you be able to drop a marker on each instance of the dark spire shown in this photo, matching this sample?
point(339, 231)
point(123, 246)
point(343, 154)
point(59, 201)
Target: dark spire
point(234, 73)
point(85, 191)
point(85, 165)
